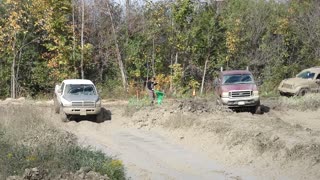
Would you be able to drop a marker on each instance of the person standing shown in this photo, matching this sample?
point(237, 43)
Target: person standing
point(150, 88)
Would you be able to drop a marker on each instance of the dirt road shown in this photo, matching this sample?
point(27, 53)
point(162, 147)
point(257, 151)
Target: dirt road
point(193, 140)
point(147, 154)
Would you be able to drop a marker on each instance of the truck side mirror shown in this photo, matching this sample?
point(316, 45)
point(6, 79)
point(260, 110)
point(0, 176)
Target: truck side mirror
point(318, 81)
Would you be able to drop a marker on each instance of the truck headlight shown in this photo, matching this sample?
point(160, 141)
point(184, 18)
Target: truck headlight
point(225, 94)
point(255, 93)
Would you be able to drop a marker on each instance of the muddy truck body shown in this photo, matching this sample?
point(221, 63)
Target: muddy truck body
point(237, 89)
point(307, 81)
point(77, 97)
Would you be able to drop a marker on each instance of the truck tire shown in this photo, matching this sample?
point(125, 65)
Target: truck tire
point(56, 105)
point(100, 117)
point(303, 92)
point(63, 116)
point(104, 115)
point(257, 110)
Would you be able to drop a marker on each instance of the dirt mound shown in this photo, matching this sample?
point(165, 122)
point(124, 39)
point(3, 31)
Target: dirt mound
point(260, 139)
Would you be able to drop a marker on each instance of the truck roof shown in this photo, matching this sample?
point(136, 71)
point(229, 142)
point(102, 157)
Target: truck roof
point(314, 69)
point(235, 72)
point(77, 81)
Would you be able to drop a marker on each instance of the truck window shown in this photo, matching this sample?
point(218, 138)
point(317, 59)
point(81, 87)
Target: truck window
point(238, 79)
point(80, 89)
point(306, 75)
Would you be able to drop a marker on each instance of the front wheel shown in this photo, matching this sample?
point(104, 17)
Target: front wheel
point(100, 117)
point(63, 115)
point(303, 92)
point(256, 110)
point(104, 115)
point(56, 105)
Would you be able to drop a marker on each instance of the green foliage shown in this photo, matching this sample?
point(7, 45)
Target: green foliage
point(276, 40)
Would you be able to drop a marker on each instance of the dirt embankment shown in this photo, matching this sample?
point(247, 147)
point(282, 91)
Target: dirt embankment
point(278, 142)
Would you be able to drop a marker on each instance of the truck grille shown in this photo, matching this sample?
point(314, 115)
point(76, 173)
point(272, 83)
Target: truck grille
point(84, 104)
point(285, 85)
point(240, 93)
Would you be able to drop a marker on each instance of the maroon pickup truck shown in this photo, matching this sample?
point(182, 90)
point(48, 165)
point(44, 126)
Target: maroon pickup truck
point(237, 89)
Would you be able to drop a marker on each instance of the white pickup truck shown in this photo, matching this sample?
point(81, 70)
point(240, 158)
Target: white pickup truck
point(77, 97)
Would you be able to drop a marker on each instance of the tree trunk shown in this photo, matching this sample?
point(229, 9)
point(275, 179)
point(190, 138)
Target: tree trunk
point(204, 75)
point(171, 72)
point(127, 20)
point(153, 58)
point(119, 58)
point(74, 37)
point(82, 43)
point(13, 74)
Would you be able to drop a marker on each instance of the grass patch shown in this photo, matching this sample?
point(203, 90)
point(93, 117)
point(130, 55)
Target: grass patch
point(135, 105)
point(307, 102)
point(28, 140)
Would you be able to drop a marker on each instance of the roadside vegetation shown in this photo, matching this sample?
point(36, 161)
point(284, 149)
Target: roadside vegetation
point(308, 102)
point(183, 43)
point(28, 140)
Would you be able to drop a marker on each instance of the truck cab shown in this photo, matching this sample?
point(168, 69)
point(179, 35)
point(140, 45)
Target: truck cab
point(237, 89)
point(77, 97)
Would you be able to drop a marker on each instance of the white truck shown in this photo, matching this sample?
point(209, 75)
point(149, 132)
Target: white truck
point(77, 97)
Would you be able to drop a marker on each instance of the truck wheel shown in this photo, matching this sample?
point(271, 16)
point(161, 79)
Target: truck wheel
point(63, 116)
point(257, 110)
point(100, 117)
point(56, 106)
point(104, 115)
point(303, 92)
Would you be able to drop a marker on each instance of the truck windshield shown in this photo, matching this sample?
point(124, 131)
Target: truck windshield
point(237, 79)
point(306, 75)
point(80, 89)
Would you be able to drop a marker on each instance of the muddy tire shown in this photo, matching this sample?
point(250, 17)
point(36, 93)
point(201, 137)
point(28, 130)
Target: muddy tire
point(56, 106)
point(303, 92)
point(104, 115)
point(257, 110)
point(100, 117)
point(63, 116)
